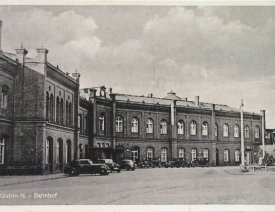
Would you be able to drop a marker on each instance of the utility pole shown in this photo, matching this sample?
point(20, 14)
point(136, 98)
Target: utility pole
point(263, 131)
point(242, 138)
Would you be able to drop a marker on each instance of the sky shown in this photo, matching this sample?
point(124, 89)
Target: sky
point(221, 53)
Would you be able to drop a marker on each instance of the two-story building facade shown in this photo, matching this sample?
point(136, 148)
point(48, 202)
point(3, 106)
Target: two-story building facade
point(144, 127)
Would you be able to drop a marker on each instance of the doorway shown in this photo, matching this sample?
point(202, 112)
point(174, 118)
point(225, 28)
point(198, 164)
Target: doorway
point(49, 154)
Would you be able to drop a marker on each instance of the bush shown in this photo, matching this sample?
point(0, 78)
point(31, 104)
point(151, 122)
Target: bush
point(268, 160)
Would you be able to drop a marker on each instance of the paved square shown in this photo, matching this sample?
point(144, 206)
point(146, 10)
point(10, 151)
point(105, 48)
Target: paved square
point(214, 185)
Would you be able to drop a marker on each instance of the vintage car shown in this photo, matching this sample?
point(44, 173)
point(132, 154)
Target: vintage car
point(85, 166)
point(110, 163)
point(200, 161)
point(180, 162)
point(144, 164)
point(155, 162)
point(128, 165)
point(170, 164)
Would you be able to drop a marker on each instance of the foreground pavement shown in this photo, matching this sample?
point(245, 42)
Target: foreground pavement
point(215, 185)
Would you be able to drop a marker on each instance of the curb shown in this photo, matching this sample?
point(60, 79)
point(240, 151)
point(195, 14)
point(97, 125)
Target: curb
point(31, 181)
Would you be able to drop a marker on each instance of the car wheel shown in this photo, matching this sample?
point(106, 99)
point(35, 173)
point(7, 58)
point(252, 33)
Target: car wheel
point(118, 171)
point(73, 172)
point(128, 169)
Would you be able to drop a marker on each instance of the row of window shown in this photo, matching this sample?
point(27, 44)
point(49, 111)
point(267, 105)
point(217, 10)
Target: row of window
point(55, 110)
point(181, 127)
point(182, 154)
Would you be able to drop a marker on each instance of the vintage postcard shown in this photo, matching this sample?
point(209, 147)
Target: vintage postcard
point(143, 106)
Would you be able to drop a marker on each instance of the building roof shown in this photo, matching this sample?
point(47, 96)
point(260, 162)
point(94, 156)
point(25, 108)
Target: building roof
point(179, 102)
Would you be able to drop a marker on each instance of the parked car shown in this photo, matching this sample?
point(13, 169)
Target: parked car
point(110, 163)
point(200, 161)
point(144, 164)
point(170, 164)
point(155, 162)
point(85, 166)
point(181, 162)
point(127, 164)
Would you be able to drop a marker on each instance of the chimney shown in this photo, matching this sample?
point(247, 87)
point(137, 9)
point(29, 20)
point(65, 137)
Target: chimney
point(0, 36)
point(184, 99)
point(21, 55)
point(110, 90)
point(197, 100)
point(41, 56)
point(150, 95)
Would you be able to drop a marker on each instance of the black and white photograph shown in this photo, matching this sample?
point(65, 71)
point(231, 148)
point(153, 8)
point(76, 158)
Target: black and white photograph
point(157, 106)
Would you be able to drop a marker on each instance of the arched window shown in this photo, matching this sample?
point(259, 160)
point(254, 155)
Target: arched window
point(163, 127)
point(59, 151)
point(246, 131)
point(81, 148)
point(180, 127)
point(205, 153)
point(49, 151)
point(61, 112)
point(226, 155)
point(80, 123)
point(102, 122)
point(204, 129)
point(193, 128)
point(134, 125)
point(2, 150)
point(236, 131)
point(4, 97)
point(70, 114)
point(119, 124)
point(57, 110)
point(193, 154)
point(67, 113)
point(225, 130)
point(149, 126)
point(237, 155)
point(150, 153)
point(47, 105)
point(181, 153)
point(51, 115)
point(163, 155)
point(257, 132)
point(216, 130)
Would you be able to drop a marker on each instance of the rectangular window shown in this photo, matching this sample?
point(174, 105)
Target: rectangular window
point(47, 151)
point(2, 151)
point(181, 153)
point(193, 154)
point(237, 156)
point(226, 155)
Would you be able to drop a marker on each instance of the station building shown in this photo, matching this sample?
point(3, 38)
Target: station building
point(146, 127)
point(46, 121)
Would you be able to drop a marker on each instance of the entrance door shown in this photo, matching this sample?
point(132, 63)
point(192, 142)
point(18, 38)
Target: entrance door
point(217, 157)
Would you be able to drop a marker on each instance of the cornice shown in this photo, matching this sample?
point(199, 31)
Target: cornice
point(61, 77)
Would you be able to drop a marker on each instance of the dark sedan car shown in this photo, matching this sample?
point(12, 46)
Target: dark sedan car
point(128, 165)
point(110, 163)
point(85, 166)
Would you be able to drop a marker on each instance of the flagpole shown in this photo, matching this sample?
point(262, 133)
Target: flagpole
point(242, 138)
